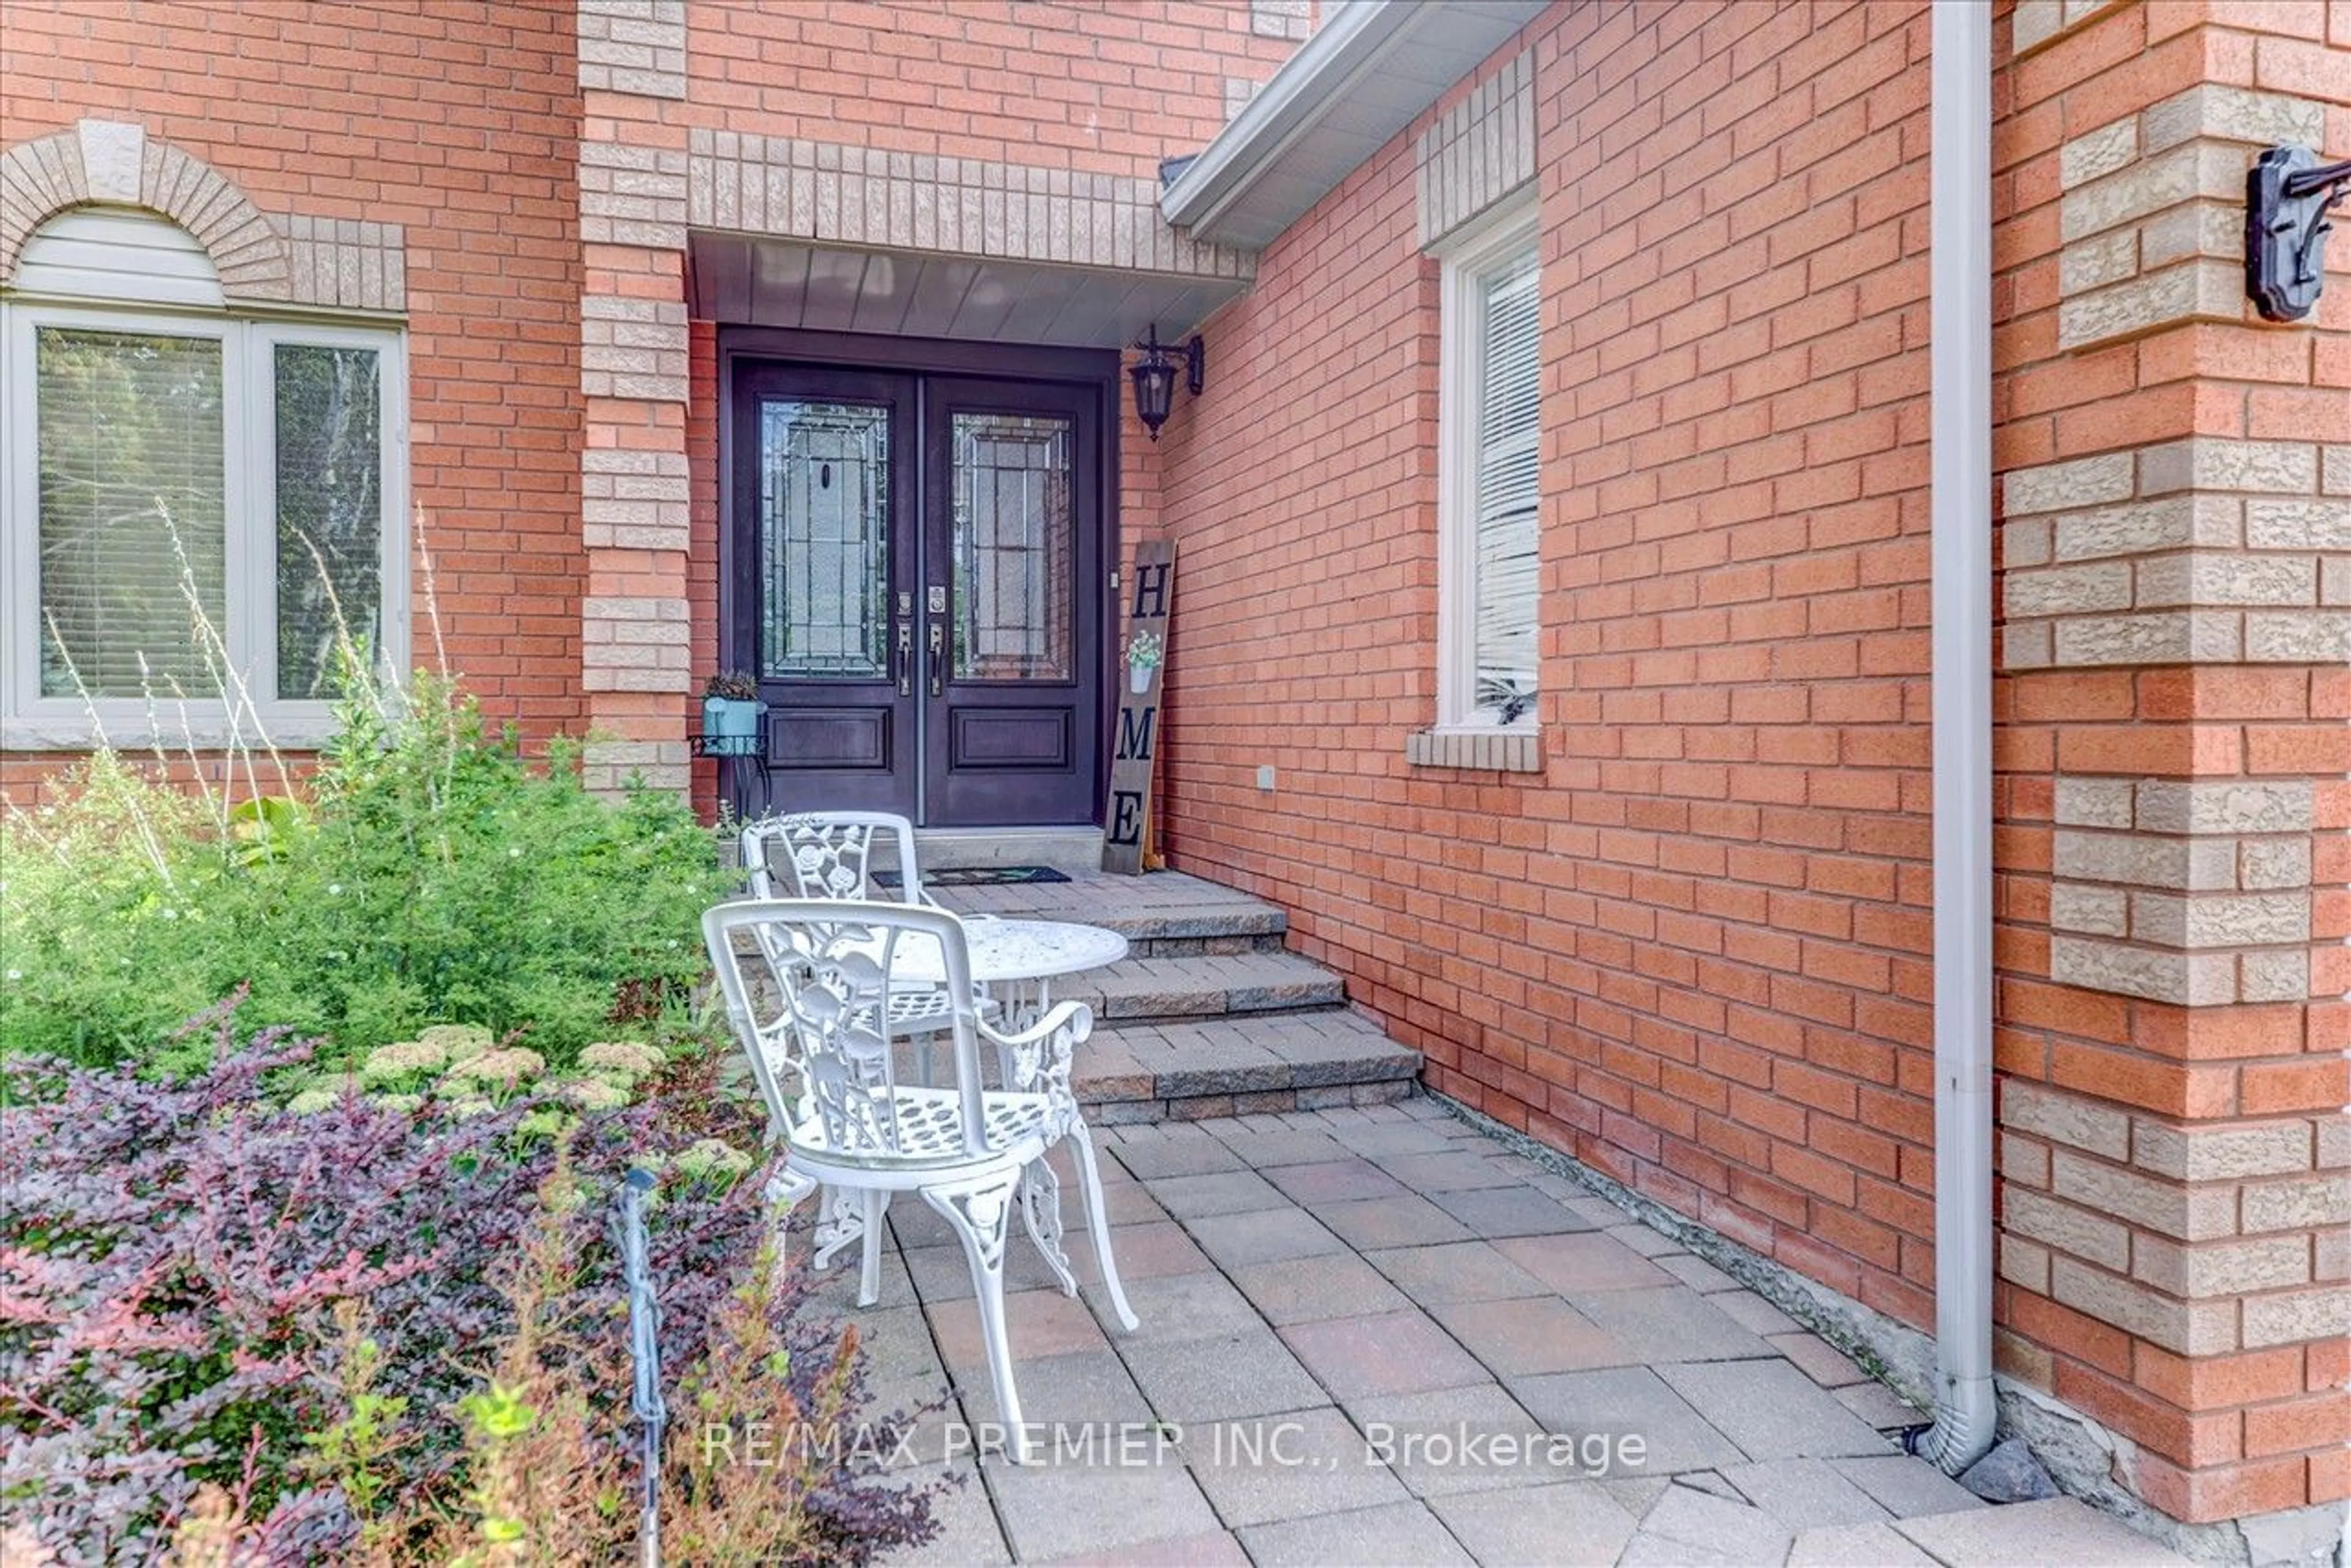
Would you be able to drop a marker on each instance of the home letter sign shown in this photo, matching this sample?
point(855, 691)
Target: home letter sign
point(1136, 735)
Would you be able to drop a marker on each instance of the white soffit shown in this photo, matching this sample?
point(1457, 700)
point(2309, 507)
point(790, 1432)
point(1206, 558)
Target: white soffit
point(1371, 68)
point(753, 281)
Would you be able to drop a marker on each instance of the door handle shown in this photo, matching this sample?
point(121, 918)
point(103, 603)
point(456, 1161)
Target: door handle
point(938, 658)
point(905, 658)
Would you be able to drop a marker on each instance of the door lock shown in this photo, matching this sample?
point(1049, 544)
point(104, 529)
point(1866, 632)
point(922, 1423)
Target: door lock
point(905, 658)
point(938, 656)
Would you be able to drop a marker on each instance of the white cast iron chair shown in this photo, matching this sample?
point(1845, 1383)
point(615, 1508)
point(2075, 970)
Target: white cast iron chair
point(815, 1027)
point(832, 854)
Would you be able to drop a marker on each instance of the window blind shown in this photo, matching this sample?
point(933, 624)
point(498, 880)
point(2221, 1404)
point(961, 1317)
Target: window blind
point(1509, 480)
point(126, 421)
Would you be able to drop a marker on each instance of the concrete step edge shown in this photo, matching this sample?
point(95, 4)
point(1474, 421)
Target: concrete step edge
point(1180, 1059)
point(1196, 1107)
point(1207, 920)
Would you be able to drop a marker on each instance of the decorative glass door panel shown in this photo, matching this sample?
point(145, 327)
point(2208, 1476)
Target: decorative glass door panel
point(919, 584)
point(823, 582)
point(1015, 547)
point(824, 540)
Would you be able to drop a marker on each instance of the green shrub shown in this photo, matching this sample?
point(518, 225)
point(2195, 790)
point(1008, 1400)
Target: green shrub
point(426, 873)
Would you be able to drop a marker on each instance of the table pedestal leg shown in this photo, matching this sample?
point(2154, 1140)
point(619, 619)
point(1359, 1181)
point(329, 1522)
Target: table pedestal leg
point(1040, 1213)
point(1017, 1009)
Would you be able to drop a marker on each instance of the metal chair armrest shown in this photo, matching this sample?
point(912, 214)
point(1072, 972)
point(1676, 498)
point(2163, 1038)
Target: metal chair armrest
point(1042, 1056)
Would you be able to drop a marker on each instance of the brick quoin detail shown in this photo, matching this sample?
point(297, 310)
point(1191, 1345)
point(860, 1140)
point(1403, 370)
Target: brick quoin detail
point(633, 45)
point(1028, 131)
point(2175, 1165)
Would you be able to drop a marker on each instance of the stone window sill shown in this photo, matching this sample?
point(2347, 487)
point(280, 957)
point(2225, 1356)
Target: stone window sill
point(1492, 751)
point(289, 726)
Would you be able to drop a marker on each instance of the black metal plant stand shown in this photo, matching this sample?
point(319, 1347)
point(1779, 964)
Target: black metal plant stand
point(743, 773)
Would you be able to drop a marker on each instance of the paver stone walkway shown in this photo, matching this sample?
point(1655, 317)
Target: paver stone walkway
point(1377, 1335)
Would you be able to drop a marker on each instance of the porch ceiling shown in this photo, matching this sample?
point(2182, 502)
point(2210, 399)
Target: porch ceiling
point(753, 281)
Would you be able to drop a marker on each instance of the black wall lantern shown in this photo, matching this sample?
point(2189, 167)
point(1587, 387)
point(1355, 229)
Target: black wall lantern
point(2287, 193)
point(1155, 376)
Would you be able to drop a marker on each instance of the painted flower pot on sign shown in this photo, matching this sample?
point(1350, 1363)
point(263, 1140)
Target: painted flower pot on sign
point(1143, 655)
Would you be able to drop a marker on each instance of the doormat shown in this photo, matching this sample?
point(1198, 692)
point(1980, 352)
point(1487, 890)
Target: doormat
point(978, 877)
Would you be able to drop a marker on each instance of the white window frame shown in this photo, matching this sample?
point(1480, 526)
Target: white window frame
point(1502, 237)
point(31, 721)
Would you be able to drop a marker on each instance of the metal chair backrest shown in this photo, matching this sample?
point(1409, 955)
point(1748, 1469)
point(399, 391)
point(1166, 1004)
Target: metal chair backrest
point(810, 1000)
point(828, 854)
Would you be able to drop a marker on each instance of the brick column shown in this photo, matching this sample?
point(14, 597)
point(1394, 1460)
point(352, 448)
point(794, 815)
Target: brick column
point(635, 660)
point(2177, 587)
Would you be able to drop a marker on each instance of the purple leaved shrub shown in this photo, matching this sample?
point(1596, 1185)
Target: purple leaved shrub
point(179, 1264)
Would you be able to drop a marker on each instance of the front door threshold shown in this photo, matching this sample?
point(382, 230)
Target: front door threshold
point(1064, 849)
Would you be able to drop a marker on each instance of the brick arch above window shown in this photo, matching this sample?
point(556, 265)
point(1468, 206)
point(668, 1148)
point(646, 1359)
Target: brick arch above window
point(105, 162)
point(261, 258)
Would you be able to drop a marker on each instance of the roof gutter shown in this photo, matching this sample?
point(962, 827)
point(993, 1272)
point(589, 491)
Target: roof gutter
point(1373, 68)
point(1358, 35)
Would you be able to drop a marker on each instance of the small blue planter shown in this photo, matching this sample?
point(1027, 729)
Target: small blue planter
point(730, 727)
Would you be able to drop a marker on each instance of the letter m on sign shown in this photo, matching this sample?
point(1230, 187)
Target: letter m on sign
point(1134, 727)
point(1142, 675)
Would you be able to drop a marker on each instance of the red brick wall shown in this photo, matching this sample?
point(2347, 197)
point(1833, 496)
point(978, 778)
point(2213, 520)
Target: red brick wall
point(458, 120)
point(1103, 89)
point(1695, 951)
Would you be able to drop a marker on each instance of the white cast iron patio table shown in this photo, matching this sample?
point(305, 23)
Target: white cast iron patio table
point(1013, 954)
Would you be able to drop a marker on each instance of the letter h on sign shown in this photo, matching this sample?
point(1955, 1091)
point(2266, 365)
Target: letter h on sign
point(1151, 585)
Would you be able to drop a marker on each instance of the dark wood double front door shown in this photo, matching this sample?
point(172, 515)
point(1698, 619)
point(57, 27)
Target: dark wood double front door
point(918, 586)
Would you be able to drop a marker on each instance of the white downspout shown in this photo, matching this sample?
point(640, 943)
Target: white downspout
point(1966, 1413)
